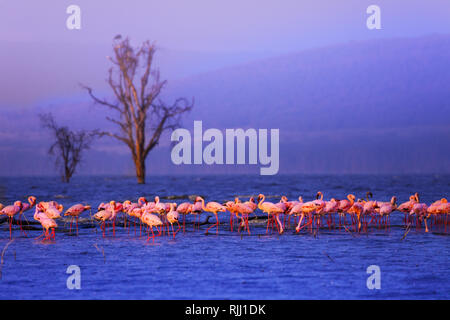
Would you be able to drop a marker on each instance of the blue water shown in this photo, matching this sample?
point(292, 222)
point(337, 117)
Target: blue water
point(330, 265)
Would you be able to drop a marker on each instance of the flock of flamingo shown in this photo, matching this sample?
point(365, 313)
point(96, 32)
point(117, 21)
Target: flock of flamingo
point(361, 214)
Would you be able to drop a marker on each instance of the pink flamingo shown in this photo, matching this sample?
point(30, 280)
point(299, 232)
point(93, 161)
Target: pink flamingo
point(320, 207)
point(172, 217)
point(306, 208)
point(196, 210)
point(230, 206)
point(241, 211)
point(46, 224)
point(245, 211)
point(26, 206)
point(10, 212)
point(420, 210)
point(294, 209)
point(272, 210)
point(345, 205)
point(330, 208)
point(438, 209)
point(386, 208)
point(52, 209)
point(151, 220)
point(105, 213)
point(212, 207)
point(184, 208)
point(74, 213)
point(357, 209)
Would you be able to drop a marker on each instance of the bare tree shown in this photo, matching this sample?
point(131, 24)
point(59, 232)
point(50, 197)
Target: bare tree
point(68, 146)
point(140, 113)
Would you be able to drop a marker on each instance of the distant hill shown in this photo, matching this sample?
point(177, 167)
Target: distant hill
point(377, 106)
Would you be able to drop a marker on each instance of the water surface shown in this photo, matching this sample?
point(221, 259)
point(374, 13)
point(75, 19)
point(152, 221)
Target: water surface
point(330, 265)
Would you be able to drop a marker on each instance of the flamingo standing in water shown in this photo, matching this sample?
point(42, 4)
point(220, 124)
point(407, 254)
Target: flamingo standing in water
point(439, 209)
point(151, 220)
point(196, 210)
point(357, 209)
point(272, 210)
point(213, 207)
point(344, 206)
point(26, 206)
point(230, 206)
point(244, 210)
point(320, 207)
point(306, 208)
point(10, 212)
point(172, 217)
point(407, 206)
point(46, 224)
point(74, 213)
point(386, 208)
point(104, 214)
point(420, 210)
point(330, 208)
point(184, 208)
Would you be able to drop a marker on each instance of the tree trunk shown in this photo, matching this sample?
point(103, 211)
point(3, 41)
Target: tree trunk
point(140, 170)
point(67, 175)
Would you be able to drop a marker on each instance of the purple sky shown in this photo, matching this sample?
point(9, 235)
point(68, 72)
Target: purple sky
point(212, 25)
point(194, 36)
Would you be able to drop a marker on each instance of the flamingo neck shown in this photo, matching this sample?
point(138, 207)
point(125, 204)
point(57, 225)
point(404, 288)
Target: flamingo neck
point(203, 203)
point(261, 201)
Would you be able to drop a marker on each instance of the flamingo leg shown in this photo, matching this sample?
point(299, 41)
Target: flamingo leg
point(20, 223)
point(10, 228)
point(214, 225)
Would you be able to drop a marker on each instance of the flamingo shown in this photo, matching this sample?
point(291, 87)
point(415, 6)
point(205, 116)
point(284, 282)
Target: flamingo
point(172, 217)
point(10, 212)
point(357, 209)
point(439, 208)
point(420, 210)
point(52, 209)
point(196, 210)
point(331, 207)
point(244, 210)
point(184, 208)
point(230, 206)
point(306, 208)
point(46, 224)
point(272, 210)
point(105, 213)
point(26, 206)
point(345, 205)
point(74, 213)
point(212, 207)
point(151, 220)
point(320, 207)
point(386, 208)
